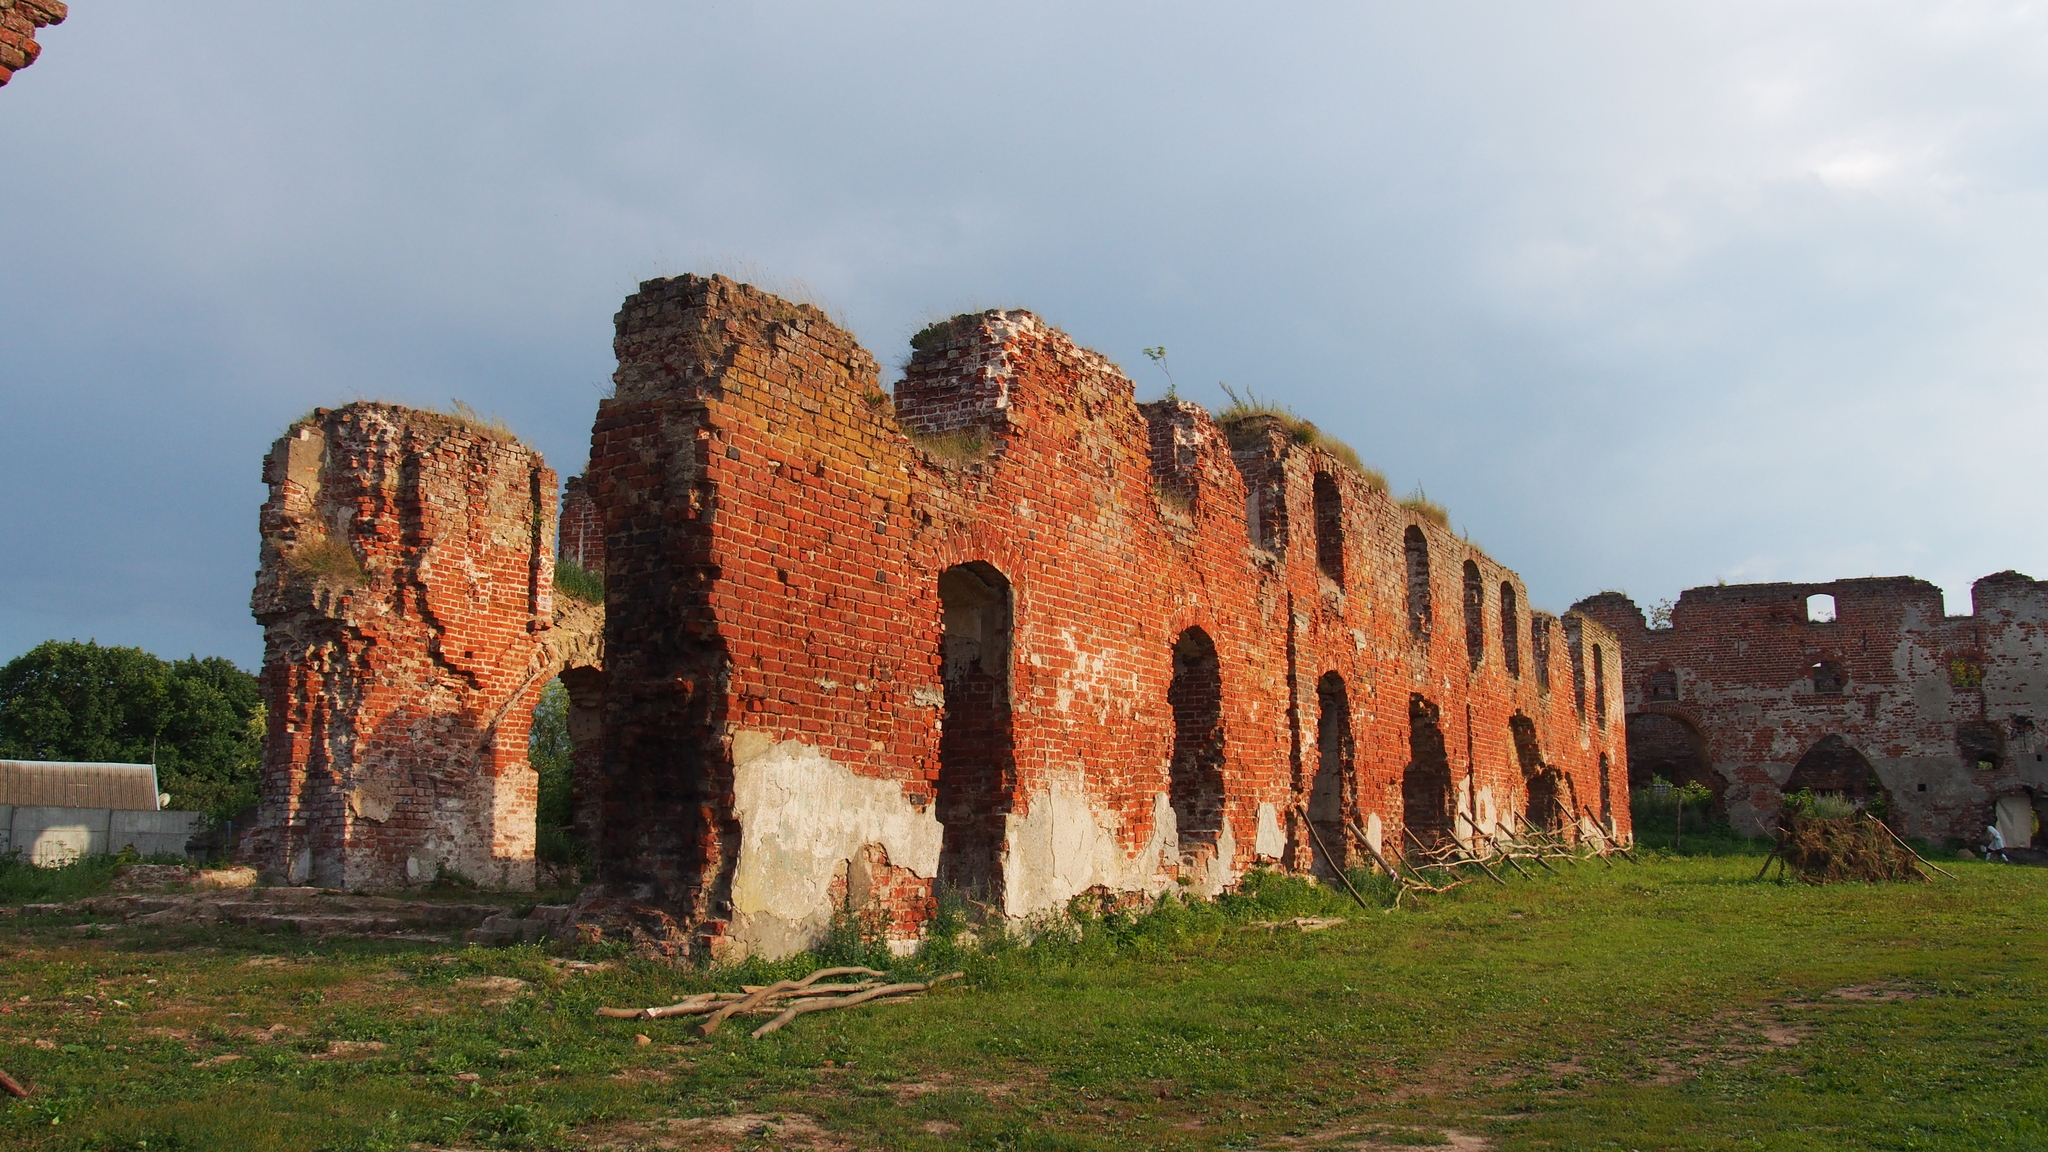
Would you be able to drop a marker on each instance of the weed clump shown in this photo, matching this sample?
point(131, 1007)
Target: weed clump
point(579, 583)
point(1248, 406)
point(958, 447)
point(1832, 849)
point(1419, 503)
point(324, 557)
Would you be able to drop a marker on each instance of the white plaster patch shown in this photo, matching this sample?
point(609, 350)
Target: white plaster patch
point(801, 814)
point(1375, 833)
point(1063, 846)
point(1270, 840)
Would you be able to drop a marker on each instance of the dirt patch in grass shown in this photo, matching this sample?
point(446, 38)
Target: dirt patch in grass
point(718, 1134)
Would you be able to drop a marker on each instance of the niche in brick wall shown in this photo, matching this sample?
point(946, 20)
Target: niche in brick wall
point(1195, 779)
point(1336, 756)
point(1329, 528)
point(1427, 795)
point(1417, 549)
point(1661, 745)
point(1510, 630)
point(1475, 615)
point(977, 756)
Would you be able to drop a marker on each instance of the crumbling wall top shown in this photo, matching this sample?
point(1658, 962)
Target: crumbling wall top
point(19, 20)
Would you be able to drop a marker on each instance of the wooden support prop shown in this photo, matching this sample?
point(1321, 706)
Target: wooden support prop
point(1477, 834)
point(1400, 881)
point(1538, 857)
point(737, 1006)
point(1909, 849)
point(12, 1087)
point(1587, 814)
point(1336, 865)
point(1767, 862)
point(798, 1009)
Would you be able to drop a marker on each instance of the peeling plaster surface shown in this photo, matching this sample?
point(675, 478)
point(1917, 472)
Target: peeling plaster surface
point(1063, 846)
point(802, 817)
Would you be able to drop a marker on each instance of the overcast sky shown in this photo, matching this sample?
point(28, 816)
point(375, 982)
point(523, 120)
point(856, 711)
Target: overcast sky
point(1649, 294)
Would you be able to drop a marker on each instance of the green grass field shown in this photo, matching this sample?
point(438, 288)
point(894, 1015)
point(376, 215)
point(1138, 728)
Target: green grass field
point(1672, 1005)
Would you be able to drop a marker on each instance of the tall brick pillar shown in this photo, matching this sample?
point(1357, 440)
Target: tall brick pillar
point(406, 596)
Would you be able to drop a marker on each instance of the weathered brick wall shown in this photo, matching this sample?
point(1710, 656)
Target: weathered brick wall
point(581, 533)
point(19, 20)
point(406, 598)
point(1742, 691)
point(938, 639)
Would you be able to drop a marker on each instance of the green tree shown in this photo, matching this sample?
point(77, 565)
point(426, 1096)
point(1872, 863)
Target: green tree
point(201, 720)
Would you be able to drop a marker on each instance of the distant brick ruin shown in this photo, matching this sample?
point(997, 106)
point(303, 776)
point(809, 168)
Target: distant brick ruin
point(1862, 687)
point(409, 626)
point(1005, 632)
point(19, 20)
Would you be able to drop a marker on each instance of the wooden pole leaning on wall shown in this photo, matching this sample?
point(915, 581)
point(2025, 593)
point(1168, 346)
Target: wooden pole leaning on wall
point(1336, 865)
point(1476, 859)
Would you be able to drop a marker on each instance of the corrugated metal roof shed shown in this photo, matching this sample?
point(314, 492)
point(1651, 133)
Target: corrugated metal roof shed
point(69, 784)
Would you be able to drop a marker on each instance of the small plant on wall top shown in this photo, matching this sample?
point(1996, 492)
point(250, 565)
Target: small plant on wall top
point(325, 558)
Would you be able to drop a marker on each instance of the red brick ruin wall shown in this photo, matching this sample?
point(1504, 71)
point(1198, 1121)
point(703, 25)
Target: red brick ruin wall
point(582, 532)
point(1015, 633)
point(409, 627)
point(1938, 715)
point(19, 20)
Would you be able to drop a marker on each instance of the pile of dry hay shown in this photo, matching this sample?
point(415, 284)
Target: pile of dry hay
point(1828, 850)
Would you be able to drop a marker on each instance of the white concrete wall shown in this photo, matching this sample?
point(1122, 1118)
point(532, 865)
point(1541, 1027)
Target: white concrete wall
point(48, 837)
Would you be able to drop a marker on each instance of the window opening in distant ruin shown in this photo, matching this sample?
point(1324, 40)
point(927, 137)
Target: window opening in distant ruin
point(1666, 746)
point(1577, 653)
point(1965, 672)
point(1418, 580)
point(1662, 685)
point(1981, 744)
point(1606, 792)
point(1329, 528)
point(1195, 779)
point(1827, 679)
point(977, 757)
point(1475, 615)
point(1599, 686)
point(1539, 650)
point(1427, 794)
point(1831, 765)
point(1335, 756)
point(1510, 630)
point(1820, 608)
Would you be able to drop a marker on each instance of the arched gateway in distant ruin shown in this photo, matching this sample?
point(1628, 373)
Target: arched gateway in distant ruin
point(1006, 630)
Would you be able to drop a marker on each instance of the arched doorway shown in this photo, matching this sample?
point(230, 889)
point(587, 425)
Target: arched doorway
point(1195, 778)
point(1664, 745)
point(1427, 794)
point(977, 759)
point(1336, 754)
point(1831, 765)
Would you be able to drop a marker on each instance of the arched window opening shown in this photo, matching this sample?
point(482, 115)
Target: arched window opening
point(1820, 608)
point(1599, 686)
point(1539, 650)
point(1662, 685)
point(1195, 778)
point(1418, 580)
point(1540, 782)
point(977, 757)
point(1265, 509)
point(1510, 630)
point(1832, 766)
point(1329, 528)
point(1428, 796)
point(1828, 679)
point(1335, 783)
point(1475, 615)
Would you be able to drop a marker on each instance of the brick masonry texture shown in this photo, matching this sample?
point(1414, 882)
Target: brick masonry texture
point(1012, 632)
point(19, 20)
point(581, 538)
point(405, 593)
point(1940, 715)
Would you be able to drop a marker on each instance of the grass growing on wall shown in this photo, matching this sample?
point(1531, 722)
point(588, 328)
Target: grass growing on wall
point(1677, 1005)
point(1247, 405)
